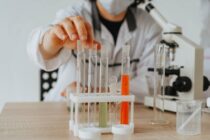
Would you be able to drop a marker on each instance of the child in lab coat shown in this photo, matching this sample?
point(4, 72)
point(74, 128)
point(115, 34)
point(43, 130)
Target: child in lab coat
point(113, 23)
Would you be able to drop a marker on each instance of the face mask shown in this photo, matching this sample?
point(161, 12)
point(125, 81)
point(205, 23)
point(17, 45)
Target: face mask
point(115, 7)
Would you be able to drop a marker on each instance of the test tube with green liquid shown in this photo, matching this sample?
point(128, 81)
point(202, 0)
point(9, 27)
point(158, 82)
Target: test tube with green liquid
point(104, 63)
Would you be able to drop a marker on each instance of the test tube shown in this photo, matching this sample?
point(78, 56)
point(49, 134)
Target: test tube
point(104, 63)
point(125, 83)
point(160, 60)
point(95, 80)
point(89, 82)
point(83, 70)
point(113, 107)
point(84, 87)
point(92, 81)
point(79, 76)
point(78, 66)
point(81, 79)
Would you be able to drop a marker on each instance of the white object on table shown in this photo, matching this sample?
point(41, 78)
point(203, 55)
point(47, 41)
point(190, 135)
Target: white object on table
point(208, 102)
point(122, 132)
point(89, 134)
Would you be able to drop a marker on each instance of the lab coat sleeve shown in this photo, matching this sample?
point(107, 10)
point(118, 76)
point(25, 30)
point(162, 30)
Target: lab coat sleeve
point(36, 37)
point(33, 48)
point(205, 38)
point(63, 81)
point(205, 18)
point(141, 84)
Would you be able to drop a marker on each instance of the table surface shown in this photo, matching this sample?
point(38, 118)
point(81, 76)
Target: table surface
point(49, 121)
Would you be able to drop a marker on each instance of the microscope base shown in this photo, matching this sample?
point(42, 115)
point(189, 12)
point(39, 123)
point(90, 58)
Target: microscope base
point(169, 104)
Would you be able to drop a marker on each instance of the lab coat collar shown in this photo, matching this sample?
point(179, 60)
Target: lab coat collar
point(106, 35)
point(124, 37)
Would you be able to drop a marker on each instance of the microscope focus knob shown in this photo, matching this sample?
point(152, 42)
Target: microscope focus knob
point(182, 84)
point(206, 83)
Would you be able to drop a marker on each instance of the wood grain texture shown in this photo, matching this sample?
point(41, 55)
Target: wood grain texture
point(49, 121)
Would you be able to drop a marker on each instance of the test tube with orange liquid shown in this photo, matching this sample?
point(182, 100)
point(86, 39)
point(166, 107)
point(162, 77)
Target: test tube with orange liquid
point(125, 84)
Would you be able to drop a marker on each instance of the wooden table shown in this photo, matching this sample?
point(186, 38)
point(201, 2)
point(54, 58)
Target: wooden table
point(49, 121)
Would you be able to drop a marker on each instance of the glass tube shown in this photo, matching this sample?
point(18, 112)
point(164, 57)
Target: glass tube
point(159, 85)
point(92, 82)
point(81, 78)
point(90, 72)
point(113, 106)
point(104, 63)
point(84, 86)
point(125, 84)
point(95, 82)
point(78, 67)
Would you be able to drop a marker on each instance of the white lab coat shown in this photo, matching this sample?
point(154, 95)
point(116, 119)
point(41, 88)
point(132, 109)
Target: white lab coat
point(142, 42)
point(205, 14)
point(205, 38)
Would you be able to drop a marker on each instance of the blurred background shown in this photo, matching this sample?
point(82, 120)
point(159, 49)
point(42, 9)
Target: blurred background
point(19, 77)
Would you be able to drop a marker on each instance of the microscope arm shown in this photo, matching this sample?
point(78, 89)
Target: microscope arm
point(187, 54)
point(168, 28)
point(159, 18)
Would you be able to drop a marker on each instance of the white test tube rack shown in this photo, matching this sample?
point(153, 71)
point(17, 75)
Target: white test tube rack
point(77, 99)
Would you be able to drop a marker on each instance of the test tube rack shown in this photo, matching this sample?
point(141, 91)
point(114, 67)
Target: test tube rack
point(77, 99)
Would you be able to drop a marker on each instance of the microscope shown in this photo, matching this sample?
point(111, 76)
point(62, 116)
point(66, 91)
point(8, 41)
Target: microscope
point(184, 69)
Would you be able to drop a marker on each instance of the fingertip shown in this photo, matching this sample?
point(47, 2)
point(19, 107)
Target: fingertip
point(63, 94)
point(97, 46)
point(63, 37)
point(90, 44)
point(73, 37)
point(58, 31)
point(83, 37)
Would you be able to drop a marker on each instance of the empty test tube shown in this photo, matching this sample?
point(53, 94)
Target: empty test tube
point(92, 81)
point(84, 86)
point(95, 80)
point(113, 106)
point(79, 70)
point(89, 82)
point(81, 73)
point(78, 66)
